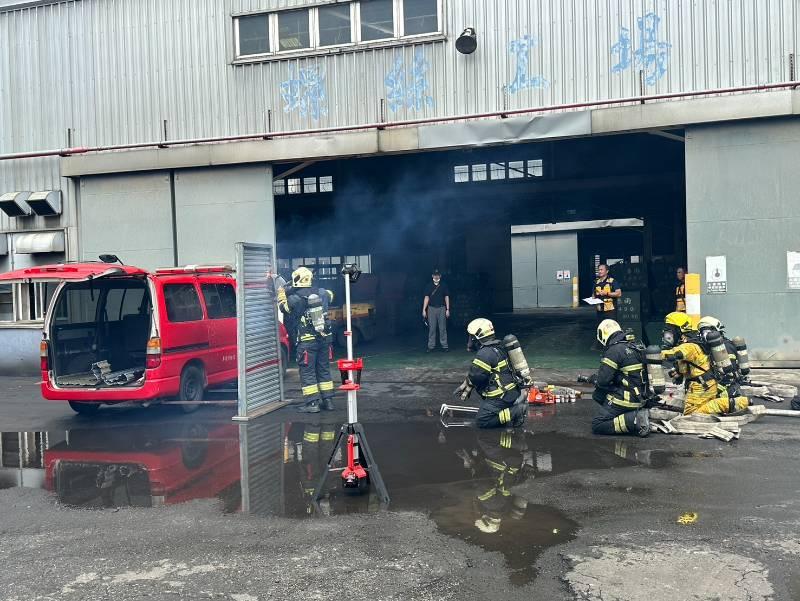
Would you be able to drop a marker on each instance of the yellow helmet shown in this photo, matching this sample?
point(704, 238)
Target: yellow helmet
point(302, 277)
point(710, 323)
point(606, 329)
point(681, 321)
point(480, 328)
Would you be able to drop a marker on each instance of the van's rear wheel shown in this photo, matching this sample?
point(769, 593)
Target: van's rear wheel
point(84, 408)
point(192, 388)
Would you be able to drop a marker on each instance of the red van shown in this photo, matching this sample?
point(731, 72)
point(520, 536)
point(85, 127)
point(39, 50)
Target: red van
point(117, 333)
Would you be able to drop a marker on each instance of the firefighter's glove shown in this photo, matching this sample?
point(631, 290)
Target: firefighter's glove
point(463, 391)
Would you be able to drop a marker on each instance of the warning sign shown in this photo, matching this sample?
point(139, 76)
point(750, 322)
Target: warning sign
point(716, 275)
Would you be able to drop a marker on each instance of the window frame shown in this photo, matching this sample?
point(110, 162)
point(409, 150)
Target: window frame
point(353, 31)
point(402, 20)
point(274, 19)
point(197, 293)
point(399, 37)
point(237, 38)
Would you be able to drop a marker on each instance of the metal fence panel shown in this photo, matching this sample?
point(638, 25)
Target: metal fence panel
point(261, 456)
point(260, 377)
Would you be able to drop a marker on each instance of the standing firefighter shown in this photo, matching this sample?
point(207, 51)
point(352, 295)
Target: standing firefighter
point(308, 307)
point(498, 373)
point(622, 386)
point(696, 369)
point(680, 290)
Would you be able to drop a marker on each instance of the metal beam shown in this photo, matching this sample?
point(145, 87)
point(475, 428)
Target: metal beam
point(668, 136)
point(293, 170)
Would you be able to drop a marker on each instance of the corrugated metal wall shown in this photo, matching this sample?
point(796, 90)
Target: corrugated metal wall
point(114, 70)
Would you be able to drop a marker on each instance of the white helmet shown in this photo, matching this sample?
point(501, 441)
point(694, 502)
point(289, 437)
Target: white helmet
point(710, 323)
point(481, 329)
point(606, 329)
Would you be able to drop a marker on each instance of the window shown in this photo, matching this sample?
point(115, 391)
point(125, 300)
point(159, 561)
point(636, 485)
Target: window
point(498, 171)
point(293, 31)
point(535, 168)
point(420, 16)
point(126, 299)
point(253, 34)
point(516, 169)
point(220, 300)
point(461, 173)
point(6, 302)
point(182, 302)
point(78, 304)
point(310, 185)
point(479, 173)
point(377, 20)
point(334, 25)
point(25, 302)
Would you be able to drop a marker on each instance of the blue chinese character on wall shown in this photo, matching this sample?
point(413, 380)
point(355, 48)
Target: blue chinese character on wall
point(408, 90)
point(521, 49)
point(652, 56)
point(304, 91)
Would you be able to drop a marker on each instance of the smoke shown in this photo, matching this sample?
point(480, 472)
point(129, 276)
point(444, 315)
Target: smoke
point(401, 209)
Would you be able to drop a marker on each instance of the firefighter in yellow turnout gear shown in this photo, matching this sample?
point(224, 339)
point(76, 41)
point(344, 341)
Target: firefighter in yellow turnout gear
point(704, 394)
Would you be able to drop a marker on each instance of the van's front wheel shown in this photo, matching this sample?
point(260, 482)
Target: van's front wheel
point(192, 388)
point(84, 408)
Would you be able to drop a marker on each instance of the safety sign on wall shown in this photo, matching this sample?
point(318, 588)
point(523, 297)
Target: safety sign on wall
point(793, 270)
point(716, 275)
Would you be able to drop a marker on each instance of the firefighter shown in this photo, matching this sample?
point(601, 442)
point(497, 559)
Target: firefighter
point(733, 382)
point(507, 461)
point(693, 367)
point(311, 446)
point(607, 290)
point(308, 307)
point(680, 291)
point(622, 387)
point(503, 402)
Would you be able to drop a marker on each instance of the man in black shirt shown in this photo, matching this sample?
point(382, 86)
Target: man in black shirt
point(436, 309)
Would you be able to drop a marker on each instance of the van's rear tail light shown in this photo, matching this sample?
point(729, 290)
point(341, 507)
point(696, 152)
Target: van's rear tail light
point(153, 353)
point(43, 356)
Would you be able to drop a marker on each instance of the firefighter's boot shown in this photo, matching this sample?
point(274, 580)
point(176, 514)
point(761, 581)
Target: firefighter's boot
point(327, 404)
point(312, 407)
point(643, 422)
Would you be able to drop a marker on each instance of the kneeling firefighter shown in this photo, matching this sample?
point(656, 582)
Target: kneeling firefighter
point(308, 307)
point(622, 387)
point(698, 372)
point(712, 333)
point(500, 374)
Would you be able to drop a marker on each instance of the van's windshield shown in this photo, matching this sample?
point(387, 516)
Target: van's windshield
point(99, 332)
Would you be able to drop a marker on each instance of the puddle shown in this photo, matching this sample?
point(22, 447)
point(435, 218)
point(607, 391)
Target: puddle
point(462, 478)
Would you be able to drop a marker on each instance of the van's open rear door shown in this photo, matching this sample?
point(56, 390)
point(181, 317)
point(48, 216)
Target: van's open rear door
point(69, 272)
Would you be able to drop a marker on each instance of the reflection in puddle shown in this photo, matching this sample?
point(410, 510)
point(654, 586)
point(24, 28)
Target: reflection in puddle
point(462, 478)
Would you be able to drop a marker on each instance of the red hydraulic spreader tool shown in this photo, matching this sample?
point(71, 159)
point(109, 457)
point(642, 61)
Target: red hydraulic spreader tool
point(361, 469)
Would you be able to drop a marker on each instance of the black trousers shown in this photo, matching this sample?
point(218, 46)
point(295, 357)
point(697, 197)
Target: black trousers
point(313, 360)
point(502, 412)
point(613, 419)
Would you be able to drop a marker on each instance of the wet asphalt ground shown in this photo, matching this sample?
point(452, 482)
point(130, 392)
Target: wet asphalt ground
point(152, 503)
